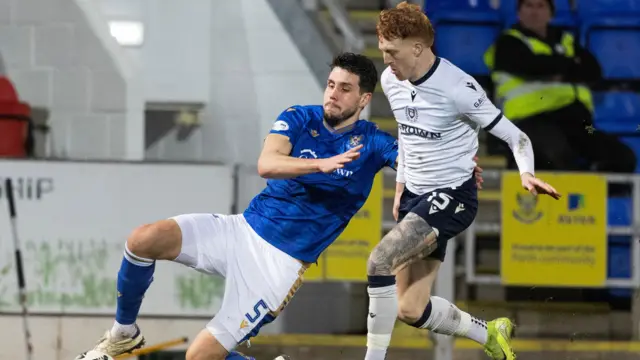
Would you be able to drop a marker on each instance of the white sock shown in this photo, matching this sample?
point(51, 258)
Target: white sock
point(447, 319)
point(383, 311)
point(120, 331)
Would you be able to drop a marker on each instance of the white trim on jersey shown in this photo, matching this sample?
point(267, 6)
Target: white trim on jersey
point(439, 117)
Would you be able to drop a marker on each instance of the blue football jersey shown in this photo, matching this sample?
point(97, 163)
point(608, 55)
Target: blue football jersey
point(302, 216)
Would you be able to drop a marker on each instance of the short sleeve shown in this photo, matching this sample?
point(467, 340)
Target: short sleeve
point(290, 123)
point(472, 101)
point(387, 148)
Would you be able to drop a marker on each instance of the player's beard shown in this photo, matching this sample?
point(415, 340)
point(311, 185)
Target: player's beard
point(335, 120)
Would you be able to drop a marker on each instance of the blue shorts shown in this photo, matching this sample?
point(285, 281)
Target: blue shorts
point(448, 210)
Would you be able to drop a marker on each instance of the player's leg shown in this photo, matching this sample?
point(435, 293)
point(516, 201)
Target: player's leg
point(409, 241)
point(449, 212)
point(260, 281)
point(418, 308)
point(179, 239)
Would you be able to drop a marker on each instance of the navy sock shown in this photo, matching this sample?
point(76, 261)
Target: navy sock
point(423, 319)
point(134, 278)
point(234, 355)
point(377, 281)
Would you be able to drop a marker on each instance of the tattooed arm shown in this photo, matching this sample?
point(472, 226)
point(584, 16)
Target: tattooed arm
point(409, 241)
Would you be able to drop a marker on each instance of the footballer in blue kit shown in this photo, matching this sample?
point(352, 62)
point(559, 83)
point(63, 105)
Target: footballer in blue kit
point(320, 162)
point(323, 202)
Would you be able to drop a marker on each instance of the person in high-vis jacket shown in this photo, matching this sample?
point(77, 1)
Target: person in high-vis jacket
point(541, 77)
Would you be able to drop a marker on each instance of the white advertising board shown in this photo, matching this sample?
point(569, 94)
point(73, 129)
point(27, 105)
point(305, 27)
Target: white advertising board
point(73, 221)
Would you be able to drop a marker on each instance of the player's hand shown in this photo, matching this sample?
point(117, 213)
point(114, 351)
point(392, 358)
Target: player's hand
point(478, 173)
point(536, 186)
point(396, 206)
point(331, 164)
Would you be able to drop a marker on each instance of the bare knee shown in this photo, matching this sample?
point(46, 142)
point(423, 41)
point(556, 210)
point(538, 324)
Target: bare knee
point(206, 347)
point(161, 240)
point(411, 309)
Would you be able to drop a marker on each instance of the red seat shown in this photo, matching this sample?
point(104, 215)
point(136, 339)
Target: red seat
point(8, 92)
point(14, 121)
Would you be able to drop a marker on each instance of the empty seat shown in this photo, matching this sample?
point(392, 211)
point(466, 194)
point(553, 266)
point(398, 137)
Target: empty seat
point(617, 51)
point(619, 213)
point(610, 29)
point(465, 29)
point(14, 121)
point(465, 44)
point(588, 8)
point(8, 92)
point(617, 112)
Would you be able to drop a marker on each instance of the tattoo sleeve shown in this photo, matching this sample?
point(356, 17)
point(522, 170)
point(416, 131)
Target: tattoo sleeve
point(409, 241)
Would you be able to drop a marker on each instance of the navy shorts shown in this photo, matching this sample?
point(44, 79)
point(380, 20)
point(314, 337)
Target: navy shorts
point(448, 210)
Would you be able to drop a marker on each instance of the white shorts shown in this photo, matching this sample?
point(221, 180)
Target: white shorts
point(259, 278)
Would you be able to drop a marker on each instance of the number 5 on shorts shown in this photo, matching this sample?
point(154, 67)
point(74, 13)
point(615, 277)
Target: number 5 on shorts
point(256, 308)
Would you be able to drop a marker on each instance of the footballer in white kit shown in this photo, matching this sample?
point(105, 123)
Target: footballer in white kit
point(440, 110)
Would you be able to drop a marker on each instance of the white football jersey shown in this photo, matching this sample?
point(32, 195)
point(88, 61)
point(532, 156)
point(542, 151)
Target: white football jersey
point(439, 117)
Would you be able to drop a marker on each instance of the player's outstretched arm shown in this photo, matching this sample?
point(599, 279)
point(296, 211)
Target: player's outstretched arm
point(472, 101)
point(275, 161)
point(522, 151)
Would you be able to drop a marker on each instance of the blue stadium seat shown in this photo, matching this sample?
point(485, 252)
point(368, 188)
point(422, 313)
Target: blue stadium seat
point(617, 112)
point(611, 30)
point(619, 213)
point(634, 143)
point(619, 263)
point(617, 50)
point(564, 16)
point(587, 8)
point(465, 44)
point(465, 30)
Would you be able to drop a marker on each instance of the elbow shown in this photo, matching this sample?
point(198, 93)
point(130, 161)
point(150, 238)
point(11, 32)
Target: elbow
point(265, 169)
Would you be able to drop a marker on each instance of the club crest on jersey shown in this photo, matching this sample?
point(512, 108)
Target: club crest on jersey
point(355, 140)
point(411, 113)
point(313, 133)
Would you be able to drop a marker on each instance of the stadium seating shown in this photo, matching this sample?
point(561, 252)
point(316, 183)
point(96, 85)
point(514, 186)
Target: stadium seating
point(611, 30)
point(466, 29)
point(617, 112)
point(620, 211)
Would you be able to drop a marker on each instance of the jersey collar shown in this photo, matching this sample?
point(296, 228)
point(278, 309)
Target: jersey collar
point(341, 130)
point(428, 74)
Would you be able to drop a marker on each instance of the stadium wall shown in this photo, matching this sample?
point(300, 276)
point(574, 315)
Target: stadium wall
point(174, 58)
point(61, 57)
point(255, 71)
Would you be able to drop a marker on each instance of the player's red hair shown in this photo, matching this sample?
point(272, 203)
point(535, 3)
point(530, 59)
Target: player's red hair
point(405, 21)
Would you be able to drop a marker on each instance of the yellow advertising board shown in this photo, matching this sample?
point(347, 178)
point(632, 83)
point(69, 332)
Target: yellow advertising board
point(549, 242)
point(346, 258)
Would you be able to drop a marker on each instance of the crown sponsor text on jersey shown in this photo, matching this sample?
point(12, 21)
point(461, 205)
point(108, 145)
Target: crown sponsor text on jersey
point(410, 130)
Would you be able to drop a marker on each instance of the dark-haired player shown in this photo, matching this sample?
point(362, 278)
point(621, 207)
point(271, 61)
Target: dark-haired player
point(320, 162)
